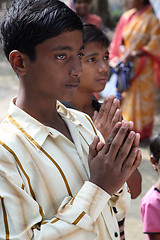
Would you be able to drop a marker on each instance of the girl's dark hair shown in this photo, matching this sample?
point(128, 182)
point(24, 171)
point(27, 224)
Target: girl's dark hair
point(155, 147)
point(30, 22)
point(91, 33)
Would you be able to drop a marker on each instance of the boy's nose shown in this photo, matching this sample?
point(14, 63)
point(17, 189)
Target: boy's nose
point(103, 67)
point(76, 70)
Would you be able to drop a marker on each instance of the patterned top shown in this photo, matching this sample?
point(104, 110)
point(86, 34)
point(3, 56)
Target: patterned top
point(45, 192)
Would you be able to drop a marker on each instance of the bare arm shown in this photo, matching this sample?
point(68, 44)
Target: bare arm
point(134, 183)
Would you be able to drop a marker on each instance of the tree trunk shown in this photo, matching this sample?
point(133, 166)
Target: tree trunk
point(101, 8)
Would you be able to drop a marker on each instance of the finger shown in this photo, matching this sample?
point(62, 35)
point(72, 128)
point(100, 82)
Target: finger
point(125, 149)
point(119, 140)
point(138, 160)
point(93, 148)
point(116, 118)
point(105, 108)
point(100, 145)
point(131, 125)
point(111, 137)
point(120, 115)
point(132, 162)
point(137, 140)
point(110, 108)
point(113, 110)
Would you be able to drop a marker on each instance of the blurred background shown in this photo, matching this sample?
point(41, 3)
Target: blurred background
point(110, 12)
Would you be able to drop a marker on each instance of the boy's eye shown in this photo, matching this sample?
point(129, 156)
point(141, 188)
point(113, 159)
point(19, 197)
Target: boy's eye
point(106, 57)
point(61, 57)
point(80, 55)
point(91, 59)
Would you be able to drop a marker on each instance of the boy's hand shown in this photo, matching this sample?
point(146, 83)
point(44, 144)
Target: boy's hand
point(108, 116)
point(113, 164)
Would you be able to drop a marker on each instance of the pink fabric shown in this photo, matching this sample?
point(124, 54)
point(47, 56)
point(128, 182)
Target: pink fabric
point(150, 211)
point(93, 19)
point(117, 38)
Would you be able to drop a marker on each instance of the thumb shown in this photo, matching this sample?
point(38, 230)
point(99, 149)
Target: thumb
point(100, 146)
point(93, 148)
point(95, 116)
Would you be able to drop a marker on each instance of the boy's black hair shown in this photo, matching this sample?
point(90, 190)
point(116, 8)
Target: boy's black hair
point(146, 2)
point(86, 1)
point(91, 33)
point(30, 22)
point(155, 147)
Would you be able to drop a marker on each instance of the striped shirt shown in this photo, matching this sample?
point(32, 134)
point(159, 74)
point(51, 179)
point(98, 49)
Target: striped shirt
point(45, 192)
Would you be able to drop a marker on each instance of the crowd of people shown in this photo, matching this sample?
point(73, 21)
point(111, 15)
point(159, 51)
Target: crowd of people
point(69, 163)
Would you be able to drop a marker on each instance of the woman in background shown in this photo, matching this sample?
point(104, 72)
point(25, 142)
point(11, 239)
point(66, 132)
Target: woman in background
point(136, 39)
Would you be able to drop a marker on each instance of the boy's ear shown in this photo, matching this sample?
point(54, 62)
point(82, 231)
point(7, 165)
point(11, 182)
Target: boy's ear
point(153, 162)
point(18, 62)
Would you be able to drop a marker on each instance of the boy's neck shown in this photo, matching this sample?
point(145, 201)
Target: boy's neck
point(43, 110)
point(83, 102)
point(157, 185)
point(45, 113)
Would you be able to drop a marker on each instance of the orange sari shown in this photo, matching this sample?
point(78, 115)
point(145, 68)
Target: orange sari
point(141, 31)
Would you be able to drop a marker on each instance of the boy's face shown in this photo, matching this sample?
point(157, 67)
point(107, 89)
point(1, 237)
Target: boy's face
point(56, 71)
point(95, 67)
point(82, 7)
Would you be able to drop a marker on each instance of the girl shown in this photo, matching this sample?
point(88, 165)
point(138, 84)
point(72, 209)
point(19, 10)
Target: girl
point(150, 203)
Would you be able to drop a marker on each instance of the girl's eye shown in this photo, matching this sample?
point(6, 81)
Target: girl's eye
point(80, 55)
point(61, 57)
point(91, 59)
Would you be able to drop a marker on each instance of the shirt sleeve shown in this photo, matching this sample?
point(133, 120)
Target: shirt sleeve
point(151, 216)
point(121, 202)
point(22, 217)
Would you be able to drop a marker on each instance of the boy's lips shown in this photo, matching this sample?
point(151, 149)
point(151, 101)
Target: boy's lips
point(73, 85)
point(102, 80)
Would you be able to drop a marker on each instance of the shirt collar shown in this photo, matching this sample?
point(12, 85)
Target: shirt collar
point(32, 128)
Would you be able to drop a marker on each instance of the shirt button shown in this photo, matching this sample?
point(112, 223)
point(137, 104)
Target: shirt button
point(116, 234)
point(115, 210)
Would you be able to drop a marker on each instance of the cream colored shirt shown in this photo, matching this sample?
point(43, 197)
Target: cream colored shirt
point(44, 188)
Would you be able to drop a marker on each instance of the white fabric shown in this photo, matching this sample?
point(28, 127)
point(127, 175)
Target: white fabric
point(45, 192)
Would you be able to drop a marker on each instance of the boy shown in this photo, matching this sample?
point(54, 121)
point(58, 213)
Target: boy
point(93, 79)
point(56, 177)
